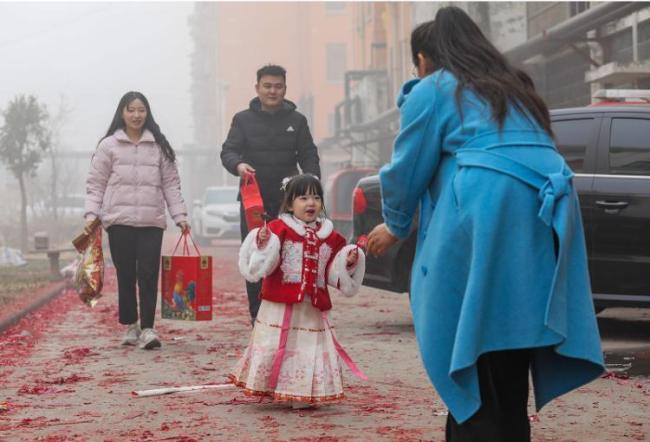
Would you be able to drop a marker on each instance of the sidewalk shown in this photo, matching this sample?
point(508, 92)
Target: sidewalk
point(64, 376)
point(30, 301)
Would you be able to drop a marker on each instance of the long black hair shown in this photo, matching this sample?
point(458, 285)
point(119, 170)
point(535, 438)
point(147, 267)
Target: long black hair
point(452, 41)
point(299, 185)
point(149, 123)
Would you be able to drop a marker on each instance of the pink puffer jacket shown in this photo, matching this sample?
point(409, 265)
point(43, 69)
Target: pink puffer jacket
point(129, 184)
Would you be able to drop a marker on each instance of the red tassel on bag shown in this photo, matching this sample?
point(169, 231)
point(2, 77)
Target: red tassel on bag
point(251, 199)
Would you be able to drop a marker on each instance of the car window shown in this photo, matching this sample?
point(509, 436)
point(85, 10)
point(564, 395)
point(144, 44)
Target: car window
point(221, 196)
point(572, 138)
point(629, 151)
point(344, 189)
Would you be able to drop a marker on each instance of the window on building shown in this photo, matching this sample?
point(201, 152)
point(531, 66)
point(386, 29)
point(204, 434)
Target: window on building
point(572, 137)
point(576, 8)
point(644, 40)
point(619, 47)
point(332, 8)
point(564, 81)
point(331, 124)
point(629, 151)
point(336, 61)
point(543, 15)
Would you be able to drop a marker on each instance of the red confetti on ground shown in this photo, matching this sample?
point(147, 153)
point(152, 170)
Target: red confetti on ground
point(72, 379)
point(35, 389)
point(17, 342)
point(614, 375)
point(20, 303)
point(75, 355)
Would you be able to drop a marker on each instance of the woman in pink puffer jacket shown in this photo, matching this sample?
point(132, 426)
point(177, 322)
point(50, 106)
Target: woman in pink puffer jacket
point(132, 177)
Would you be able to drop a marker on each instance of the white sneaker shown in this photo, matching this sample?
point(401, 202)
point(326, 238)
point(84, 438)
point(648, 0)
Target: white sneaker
point(149, 339)
point(132, 334)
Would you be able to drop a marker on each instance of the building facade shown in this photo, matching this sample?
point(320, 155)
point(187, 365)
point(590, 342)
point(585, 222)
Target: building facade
point(346, 61)
point(571, 49)
point(312, 40)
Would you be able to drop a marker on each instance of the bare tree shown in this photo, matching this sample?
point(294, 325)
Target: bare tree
point(56, 124)
point(24, 137)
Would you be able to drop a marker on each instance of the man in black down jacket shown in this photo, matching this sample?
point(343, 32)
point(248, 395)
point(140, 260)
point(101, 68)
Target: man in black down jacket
point(271, 139)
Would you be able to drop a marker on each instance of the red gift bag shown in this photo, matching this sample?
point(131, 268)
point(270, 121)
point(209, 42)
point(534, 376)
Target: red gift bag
point(186, 284)
point(251, 199)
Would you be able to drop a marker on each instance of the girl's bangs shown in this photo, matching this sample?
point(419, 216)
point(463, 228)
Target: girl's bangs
point(308, 187)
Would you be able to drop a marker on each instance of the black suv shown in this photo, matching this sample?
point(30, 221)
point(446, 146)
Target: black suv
point(608, 148)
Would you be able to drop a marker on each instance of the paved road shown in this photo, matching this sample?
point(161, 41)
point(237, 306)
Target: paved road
point(625, 335)
point(64, 377)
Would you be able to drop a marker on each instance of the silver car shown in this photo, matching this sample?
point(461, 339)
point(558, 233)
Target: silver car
point(216, 215)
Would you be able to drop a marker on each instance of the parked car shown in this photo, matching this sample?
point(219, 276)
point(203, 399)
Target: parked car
point(216, 214)
point(338, 196)
point(608, 148)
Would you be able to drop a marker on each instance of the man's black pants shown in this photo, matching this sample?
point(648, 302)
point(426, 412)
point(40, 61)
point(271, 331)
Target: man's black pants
point(503, 416)
point(136, 256)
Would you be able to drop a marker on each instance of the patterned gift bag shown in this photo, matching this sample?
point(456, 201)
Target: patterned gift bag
point(186, 284)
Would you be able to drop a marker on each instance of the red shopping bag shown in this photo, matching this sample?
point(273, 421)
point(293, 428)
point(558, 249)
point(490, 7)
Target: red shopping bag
point(186, 282)
point(251, 199)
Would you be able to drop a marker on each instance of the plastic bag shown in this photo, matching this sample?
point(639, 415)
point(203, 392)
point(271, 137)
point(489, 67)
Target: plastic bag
point(89, 276)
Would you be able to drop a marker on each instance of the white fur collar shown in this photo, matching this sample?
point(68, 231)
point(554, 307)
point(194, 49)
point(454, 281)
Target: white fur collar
point(326, 226)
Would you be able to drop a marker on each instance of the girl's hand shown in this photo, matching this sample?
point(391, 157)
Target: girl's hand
point(352, 259)
point(185, 228)
point(263, 236)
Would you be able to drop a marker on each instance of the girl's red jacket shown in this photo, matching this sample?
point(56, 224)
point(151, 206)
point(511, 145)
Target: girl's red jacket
point(286, 283)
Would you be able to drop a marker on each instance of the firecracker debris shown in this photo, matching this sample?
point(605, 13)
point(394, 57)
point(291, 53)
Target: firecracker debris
point(64, 377)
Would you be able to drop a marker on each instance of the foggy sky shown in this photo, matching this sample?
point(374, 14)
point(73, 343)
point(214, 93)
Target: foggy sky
point(92, 53)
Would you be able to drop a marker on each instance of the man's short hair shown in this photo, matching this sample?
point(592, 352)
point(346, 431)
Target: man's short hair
point(273, 70)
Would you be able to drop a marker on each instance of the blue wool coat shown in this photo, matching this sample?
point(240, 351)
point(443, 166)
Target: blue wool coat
point(500, 261)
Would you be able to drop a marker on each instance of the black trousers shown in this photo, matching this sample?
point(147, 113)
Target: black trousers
point(503, 416)
point(253, 289)
point(136, 256)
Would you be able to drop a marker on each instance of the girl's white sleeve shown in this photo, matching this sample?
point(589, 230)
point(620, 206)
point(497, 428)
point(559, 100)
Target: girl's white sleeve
point(347, 281)
point(255, 264)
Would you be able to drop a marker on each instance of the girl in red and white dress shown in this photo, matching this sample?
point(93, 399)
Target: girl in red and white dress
point(293, 355)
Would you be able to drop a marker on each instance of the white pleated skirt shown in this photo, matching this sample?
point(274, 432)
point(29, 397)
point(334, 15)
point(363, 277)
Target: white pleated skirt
point(310, 371)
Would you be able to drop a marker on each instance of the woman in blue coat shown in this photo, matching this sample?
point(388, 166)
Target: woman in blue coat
point(499, 286)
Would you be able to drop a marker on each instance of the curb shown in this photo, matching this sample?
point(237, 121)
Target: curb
point(56, 290)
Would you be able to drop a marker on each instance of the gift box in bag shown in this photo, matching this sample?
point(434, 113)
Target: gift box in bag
point(251, 199)
point(186, 284)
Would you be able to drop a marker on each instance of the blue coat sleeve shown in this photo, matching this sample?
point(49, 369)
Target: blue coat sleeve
point(416, 155)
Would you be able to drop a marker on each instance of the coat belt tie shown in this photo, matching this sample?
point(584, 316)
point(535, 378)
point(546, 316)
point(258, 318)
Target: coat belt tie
point(551, 186)
point(556, 186)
